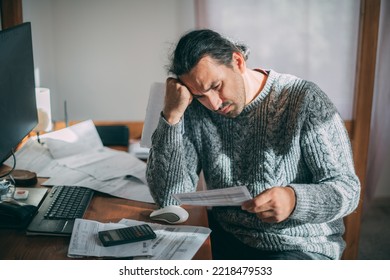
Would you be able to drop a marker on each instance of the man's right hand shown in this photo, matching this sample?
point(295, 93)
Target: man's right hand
point(177, 99)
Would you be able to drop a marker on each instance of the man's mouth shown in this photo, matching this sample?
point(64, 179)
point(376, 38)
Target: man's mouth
point(225, 108)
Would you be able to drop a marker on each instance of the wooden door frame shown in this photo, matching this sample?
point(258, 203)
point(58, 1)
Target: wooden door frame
point(363, 97)
point(11, 14)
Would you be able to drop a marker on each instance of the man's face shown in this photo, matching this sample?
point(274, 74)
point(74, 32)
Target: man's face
point(219, 88)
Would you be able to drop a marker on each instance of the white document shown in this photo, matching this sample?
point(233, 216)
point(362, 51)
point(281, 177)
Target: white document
point(174, 242)
point(124, 187)
point(35, 157)
point(73, 140)
point(85, 242)
point(106, 164)
point(129, 172)
point(153, 111)
point(80, 147)
point(85, 158)
point(233, 196)
point(118, 164)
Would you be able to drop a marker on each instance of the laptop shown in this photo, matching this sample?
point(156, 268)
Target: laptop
point(59, 209)
point(35, 195)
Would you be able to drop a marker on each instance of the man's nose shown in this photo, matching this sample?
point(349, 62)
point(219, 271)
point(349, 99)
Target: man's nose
point(214, 101)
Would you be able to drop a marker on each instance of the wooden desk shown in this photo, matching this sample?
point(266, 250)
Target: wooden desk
point(15, 244)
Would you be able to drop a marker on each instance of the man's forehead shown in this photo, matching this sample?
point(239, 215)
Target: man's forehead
point(198, 85)
point(205, 74)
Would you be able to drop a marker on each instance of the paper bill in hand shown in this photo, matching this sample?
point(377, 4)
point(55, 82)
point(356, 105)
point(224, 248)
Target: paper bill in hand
point(233, 196)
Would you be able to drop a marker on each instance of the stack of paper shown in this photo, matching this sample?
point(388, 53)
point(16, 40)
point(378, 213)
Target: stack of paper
point(172, 242)
point(75, 156)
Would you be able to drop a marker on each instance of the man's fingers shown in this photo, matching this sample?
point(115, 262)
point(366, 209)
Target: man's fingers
point(257, 204)
point(177, 99)
point(273, 205)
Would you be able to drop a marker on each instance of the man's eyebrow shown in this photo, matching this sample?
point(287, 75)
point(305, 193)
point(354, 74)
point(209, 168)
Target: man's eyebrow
point(196, 96)
point(213, 85)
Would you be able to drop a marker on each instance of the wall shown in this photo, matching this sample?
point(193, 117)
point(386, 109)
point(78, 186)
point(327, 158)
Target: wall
point(101, 56)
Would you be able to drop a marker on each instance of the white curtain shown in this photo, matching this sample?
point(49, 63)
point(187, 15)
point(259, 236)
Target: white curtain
point(378, 175)
point(312, 39)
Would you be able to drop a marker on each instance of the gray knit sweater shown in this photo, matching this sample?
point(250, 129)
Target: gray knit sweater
point(291, 134)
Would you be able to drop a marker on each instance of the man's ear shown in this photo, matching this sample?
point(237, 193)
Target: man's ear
point(239, 62)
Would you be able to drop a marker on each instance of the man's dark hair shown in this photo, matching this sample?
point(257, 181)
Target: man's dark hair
point(199, 43)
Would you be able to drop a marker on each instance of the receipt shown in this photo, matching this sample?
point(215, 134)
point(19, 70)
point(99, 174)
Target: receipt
point(233, 196)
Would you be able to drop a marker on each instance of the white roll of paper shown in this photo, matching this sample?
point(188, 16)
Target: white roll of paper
point(44, 110)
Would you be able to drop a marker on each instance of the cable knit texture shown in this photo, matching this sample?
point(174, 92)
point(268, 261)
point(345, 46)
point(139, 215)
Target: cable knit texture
point(290, 135)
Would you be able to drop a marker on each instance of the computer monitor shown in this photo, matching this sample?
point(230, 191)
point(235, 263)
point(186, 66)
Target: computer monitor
point(18, 111)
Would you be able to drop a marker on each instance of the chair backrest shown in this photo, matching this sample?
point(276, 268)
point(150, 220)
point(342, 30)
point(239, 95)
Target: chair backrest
point(114, 136)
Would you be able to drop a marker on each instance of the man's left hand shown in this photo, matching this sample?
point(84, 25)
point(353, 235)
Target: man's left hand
point(273, 205)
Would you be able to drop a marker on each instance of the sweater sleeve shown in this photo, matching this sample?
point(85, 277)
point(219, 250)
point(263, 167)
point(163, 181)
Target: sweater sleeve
point(172, 163)
point(335, 188)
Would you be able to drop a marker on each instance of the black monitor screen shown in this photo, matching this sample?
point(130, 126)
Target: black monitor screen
point(18, 112)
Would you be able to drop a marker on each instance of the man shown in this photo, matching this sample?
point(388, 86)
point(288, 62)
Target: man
point(276, 134)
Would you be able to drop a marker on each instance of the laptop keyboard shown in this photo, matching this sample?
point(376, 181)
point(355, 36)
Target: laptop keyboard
point(68, 202)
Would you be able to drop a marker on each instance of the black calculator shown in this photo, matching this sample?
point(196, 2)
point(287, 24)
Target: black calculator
point(126, 235)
